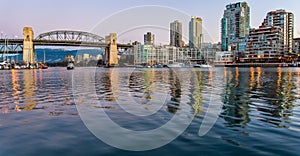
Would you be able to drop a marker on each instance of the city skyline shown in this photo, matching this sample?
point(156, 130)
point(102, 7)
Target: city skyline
point(87, 14)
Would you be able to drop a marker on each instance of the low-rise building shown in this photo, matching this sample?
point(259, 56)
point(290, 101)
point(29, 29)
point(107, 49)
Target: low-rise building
point(296, 48)
point(150, 54)
point(224, 57)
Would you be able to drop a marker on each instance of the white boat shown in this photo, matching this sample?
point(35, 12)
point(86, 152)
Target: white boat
point(5, 65)
point(197, 66)
point(17, 66)
point(176, 65)
point(139, 66)
point(206, 65)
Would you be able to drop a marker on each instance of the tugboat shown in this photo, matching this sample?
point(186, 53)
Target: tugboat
point(42, 65)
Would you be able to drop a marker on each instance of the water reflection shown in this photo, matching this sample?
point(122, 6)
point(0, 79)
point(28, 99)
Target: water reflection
point(16, 94)
point(141, 85)
point(259, 93)
point(175, 94)
point(201, 89)
point(30, 77)
point(28, 90)
point(197, 88)
point(236, 101)
point(261, 107)
point(268, 95)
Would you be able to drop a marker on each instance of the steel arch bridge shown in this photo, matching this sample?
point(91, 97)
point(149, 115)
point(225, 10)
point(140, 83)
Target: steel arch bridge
point(67, 35)
point(58, 38)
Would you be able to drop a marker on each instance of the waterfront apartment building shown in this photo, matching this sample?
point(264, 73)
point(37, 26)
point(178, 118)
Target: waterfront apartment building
point(136, 52)
point(195, 32)
point(235, 26)
point(149, 38)
point(265, 44)
point(285, 20)
point(150, 54)
point(176, 34)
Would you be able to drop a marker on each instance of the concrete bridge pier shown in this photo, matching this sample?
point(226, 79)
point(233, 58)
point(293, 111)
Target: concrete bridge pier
point(111, 51)
point(28, 47)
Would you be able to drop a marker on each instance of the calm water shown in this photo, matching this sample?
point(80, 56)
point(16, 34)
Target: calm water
point(259, 115)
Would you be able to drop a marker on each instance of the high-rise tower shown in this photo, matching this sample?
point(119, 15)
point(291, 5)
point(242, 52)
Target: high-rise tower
point(235, 24)
point(149, 38)
point(195, 32)
point(176, 34)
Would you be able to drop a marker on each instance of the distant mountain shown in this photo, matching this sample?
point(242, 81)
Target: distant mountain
point(58, 55)
point(54, 55)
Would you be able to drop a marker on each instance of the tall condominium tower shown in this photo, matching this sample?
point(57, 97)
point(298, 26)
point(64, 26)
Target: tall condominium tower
point(195, 32)
point(285, 20)
point(176, 34)
point(235, 24)
point(149, 38)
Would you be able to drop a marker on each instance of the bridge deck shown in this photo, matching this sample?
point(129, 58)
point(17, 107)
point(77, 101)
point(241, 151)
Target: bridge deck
point(19, 43)
point(63, 43)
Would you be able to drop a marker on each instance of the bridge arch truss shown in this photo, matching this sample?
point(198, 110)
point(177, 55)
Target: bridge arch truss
point(70, 36)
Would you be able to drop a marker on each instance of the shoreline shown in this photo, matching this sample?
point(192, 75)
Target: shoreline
point(257, 65)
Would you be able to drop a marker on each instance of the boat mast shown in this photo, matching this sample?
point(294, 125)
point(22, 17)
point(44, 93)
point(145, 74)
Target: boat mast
point(4, 51)
point(5, 44)
point(44, 57)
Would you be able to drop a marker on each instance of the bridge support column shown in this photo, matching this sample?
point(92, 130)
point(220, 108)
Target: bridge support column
point(28, 48)
point(111, 52)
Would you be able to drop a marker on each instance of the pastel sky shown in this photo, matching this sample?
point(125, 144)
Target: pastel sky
point(48, 15)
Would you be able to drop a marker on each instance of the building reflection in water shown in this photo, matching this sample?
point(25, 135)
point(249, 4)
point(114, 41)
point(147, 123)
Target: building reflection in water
point(197, 87)
point(298, 82)
point(249, 94)
point(236, 101)
point(277, 102)
point(175, 88)
point(278, 80)
point(266, 94)
point(143, 85)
